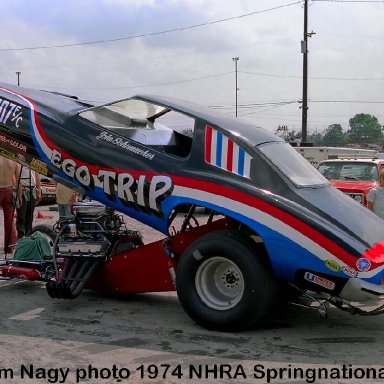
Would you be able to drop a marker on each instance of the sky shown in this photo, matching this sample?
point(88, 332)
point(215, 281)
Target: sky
point(106, 50)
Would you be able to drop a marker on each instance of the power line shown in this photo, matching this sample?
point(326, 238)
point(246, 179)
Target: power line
point(315, 78)
point(283, 103)
point(349, 1)
point(262, 74)
point(209, 77)
point(255, 105)
point(151, 33)
point(138, 86)
point(247, 110)
point(347, 101)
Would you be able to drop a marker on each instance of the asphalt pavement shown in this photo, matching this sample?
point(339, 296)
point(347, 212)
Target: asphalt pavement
point(148, 338)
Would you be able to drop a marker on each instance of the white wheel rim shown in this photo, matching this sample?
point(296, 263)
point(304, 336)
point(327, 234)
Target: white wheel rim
point(219, 283)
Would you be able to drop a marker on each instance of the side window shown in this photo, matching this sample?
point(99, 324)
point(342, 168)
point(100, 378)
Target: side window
point(173, 133)
point(149, 124)
point(375, 173)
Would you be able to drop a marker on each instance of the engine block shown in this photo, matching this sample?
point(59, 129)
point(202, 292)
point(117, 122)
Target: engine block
point(72, 247)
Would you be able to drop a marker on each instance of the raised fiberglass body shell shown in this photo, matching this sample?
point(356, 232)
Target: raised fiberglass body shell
point(312, 232)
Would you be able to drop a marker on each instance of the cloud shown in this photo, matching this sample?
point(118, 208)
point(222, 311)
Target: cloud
point(184, 48)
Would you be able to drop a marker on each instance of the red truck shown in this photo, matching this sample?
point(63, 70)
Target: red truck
point(354, 177)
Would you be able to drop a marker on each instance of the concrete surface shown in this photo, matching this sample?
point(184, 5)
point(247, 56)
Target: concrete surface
point(149, 335)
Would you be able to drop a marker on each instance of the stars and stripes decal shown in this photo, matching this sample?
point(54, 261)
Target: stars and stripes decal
point(225, 153)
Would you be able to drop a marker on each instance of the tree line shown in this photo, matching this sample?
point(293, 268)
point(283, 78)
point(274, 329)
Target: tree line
point(364, 131)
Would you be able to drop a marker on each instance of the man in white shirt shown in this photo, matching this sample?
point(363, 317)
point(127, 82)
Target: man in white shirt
point(31, 196)
point(65, 197)
point(376, 197)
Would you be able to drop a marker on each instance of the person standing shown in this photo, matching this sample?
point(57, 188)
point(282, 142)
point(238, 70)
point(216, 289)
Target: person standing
point(376, 197)
point(9, 176)
point(65, 197)
point(31, 196)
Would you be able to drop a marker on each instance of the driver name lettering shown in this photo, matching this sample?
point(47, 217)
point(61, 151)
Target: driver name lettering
point(118, 141)
point(143, 194)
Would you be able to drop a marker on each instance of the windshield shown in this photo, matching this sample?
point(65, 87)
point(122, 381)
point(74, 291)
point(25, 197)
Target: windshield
point(292, 164)
point(125, 114)
point(349, 170)
point(146, 123)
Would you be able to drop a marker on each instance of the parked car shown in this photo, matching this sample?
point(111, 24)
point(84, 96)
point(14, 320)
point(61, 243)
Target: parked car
point(354, 177)
point(48, 190)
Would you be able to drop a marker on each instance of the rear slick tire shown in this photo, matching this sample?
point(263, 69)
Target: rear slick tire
point(224, 282)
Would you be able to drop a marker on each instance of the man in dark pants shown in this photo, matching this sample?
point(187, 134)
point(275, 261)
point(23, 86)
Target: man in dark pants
point(31, 196)
point(9, 176)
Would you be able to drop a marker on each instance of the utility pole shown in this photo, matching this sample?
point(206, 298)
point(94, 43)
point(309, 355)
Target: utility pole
point(304, 51)
point(235, 59)
point(18, 77)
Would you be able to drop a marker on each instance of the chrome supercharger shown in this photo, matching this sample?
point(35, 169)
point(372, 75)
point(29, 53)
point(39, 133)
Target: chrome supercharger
point(86, 235)
point(83, 243)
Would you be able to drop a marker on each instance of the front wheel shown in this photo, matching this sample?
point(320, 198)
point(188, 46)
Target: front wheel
point(224, 282)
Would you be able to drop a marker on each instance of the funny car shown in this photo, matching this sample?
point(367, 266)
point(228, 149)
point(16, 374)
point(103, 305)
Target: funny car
point(275, 228)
